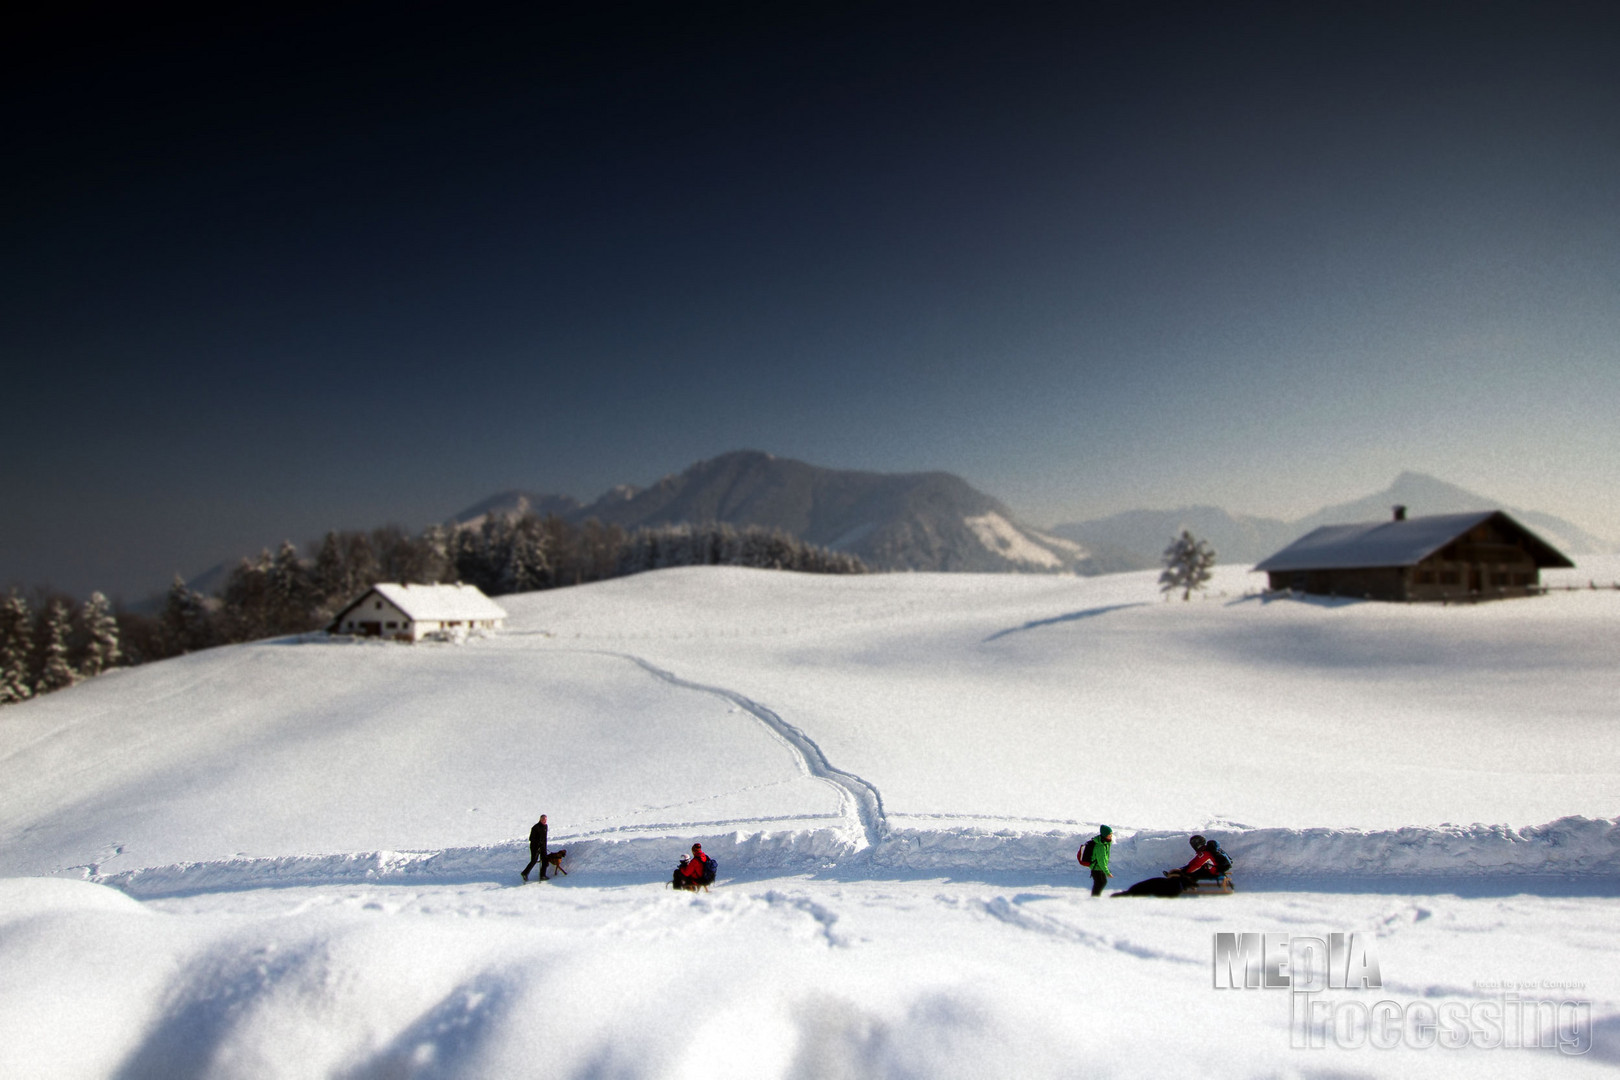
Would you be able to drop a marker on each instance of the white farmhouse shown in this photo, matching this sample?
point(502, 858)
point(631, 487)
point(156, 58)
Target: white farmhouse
point(411, 612)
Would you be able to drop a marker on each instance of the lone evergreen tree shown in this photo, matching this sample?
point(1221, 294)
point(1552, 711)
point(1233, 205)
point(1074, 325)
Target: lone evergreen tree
point(16, 641)
point(1187, 563)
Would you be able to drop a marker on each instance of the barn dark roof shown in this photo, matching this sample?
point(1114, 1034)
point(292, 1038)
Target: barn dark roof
point(1396, 543)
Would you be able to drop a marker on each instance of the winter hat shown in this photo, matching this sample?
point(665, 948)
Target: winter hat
point(1105, 831)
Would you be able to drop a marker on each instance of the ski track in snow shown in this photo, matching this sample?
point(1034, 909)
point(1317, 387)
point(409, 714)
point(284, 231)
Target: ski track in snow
point(862, 803)
point(1088, 613)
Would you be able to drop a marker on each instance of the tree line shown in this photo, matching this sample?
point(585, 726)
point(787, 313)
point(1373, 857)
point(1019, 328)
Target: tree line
point(55, 641)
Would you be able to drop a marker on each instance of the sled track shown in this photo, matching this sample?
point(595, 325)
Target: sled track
point(860, 800)
point(1570, 856)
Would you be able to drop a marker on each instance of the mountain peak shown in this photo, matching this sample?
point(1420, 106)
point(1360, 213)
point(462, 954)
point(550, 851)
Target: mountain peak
point(892, 521)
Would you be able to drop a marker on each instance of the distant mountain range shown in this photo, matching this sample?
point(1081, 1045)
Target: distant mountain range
point(893, 521)
point(1240, 538)
point(937, 521)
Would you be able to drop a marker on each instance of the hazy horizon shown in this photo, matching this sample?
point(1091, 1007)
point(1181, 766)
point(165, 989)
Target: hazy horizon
point(274, 273)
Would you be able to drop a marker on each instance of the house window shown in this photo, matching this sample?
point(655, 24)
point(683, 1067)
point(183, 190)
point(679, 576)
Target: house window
point(392, 625)
point(379, 605)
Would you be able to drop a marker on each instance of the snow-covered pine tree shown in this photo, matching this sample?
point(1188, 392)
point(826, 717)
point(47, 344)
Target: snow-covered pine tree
point(100, 631)
point(55, 672)
point(291, 591)
point(527, 566)
point(602, 544)
point(1187, 564)
point(345, 566)
point(400, 557)
point(185, 621)
point(330, 576)
point(16, 649)
point(248, 604)
point(677, 546)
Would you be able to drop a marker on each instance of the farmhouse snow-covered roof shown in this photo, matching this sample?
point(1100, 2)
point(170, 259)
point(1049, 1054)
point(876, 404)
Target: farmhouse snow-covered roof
point(1403, 542)
point(440, 603)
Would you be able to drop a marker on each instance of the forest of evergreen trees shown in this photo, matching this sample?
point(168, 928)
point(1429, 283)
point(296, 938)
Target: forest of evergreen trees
point(55, 641)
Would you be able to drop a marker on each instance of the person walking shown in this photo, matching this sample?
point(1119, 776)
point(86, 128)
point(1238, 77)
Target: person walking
point(537, 848)
point(1095, 856)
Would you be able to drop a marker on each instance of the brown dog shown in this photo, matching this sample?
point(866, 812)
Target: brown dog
point(554, 861)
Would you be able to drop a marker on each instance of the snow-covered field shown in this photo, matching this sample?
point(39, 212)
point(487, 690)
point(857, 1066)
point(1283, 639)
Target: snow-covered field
point(299, 858)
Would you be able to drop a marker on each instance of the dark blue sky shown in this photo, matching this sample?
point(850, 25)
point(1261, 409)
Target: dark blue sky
point(270, 274)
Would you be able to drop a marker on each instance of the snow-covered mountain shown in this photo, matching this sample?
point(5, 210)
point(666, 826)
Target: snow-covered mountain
point(893, 521)
point(1241, 538)
point(516, 502)
point(1423, 494)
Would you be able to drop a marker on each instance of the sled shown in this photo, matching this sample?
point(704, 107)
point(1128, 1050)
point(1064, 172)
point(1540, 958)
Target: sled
point(1210, 886)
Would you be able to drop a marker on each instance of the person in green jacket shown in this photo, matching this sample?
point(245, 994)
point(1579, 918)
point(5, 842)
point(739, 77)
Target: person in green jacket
point(1101, 846)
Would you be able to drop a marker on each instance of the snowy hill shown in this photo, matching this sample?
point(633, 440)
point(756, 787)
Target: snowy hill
point(958, 698)
point(322, 837)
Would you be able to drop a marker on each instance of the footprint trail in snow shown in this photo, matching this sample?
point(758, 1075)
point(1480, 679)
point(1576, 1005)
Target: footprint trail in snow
point(860, 801)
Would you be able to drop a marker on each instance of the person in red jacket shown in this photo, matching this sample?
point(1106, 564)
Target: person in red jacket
point(1201, 866)
point(696, 871)
point(1174, 882)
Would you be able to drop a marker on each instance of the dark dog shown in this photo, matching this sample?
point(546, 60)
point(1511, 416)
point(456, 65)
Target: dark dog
point(554, 861)
point(1155, 886)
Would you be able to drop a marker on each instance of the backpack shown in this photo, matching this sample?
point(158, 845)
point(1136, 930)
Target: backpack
point(1087, 851)
point(710, 869)
point(1223, 861)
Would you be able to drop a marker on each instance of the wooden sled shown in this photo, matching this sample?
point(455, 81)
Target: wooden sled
point(1209, 886)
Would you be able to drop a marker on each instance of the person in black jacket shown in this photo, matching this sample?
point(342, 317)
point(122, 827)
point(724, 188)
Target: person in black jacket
point(537, 848)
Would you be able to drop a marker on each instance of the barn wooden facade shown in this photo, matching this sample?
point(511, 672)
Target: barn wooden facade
point(1445, 557)
point(411, 612)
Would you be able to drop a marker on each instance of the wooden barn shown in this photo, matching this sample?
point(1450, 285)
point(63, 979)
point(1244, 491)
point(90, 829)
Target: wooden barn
point(411, 612)
point(1484, 555)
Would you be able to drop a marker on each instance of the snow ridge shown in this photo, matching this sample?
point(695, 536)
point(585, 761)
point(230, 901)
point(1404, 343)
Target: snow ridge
point(1571, 847)
point(860, 800)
